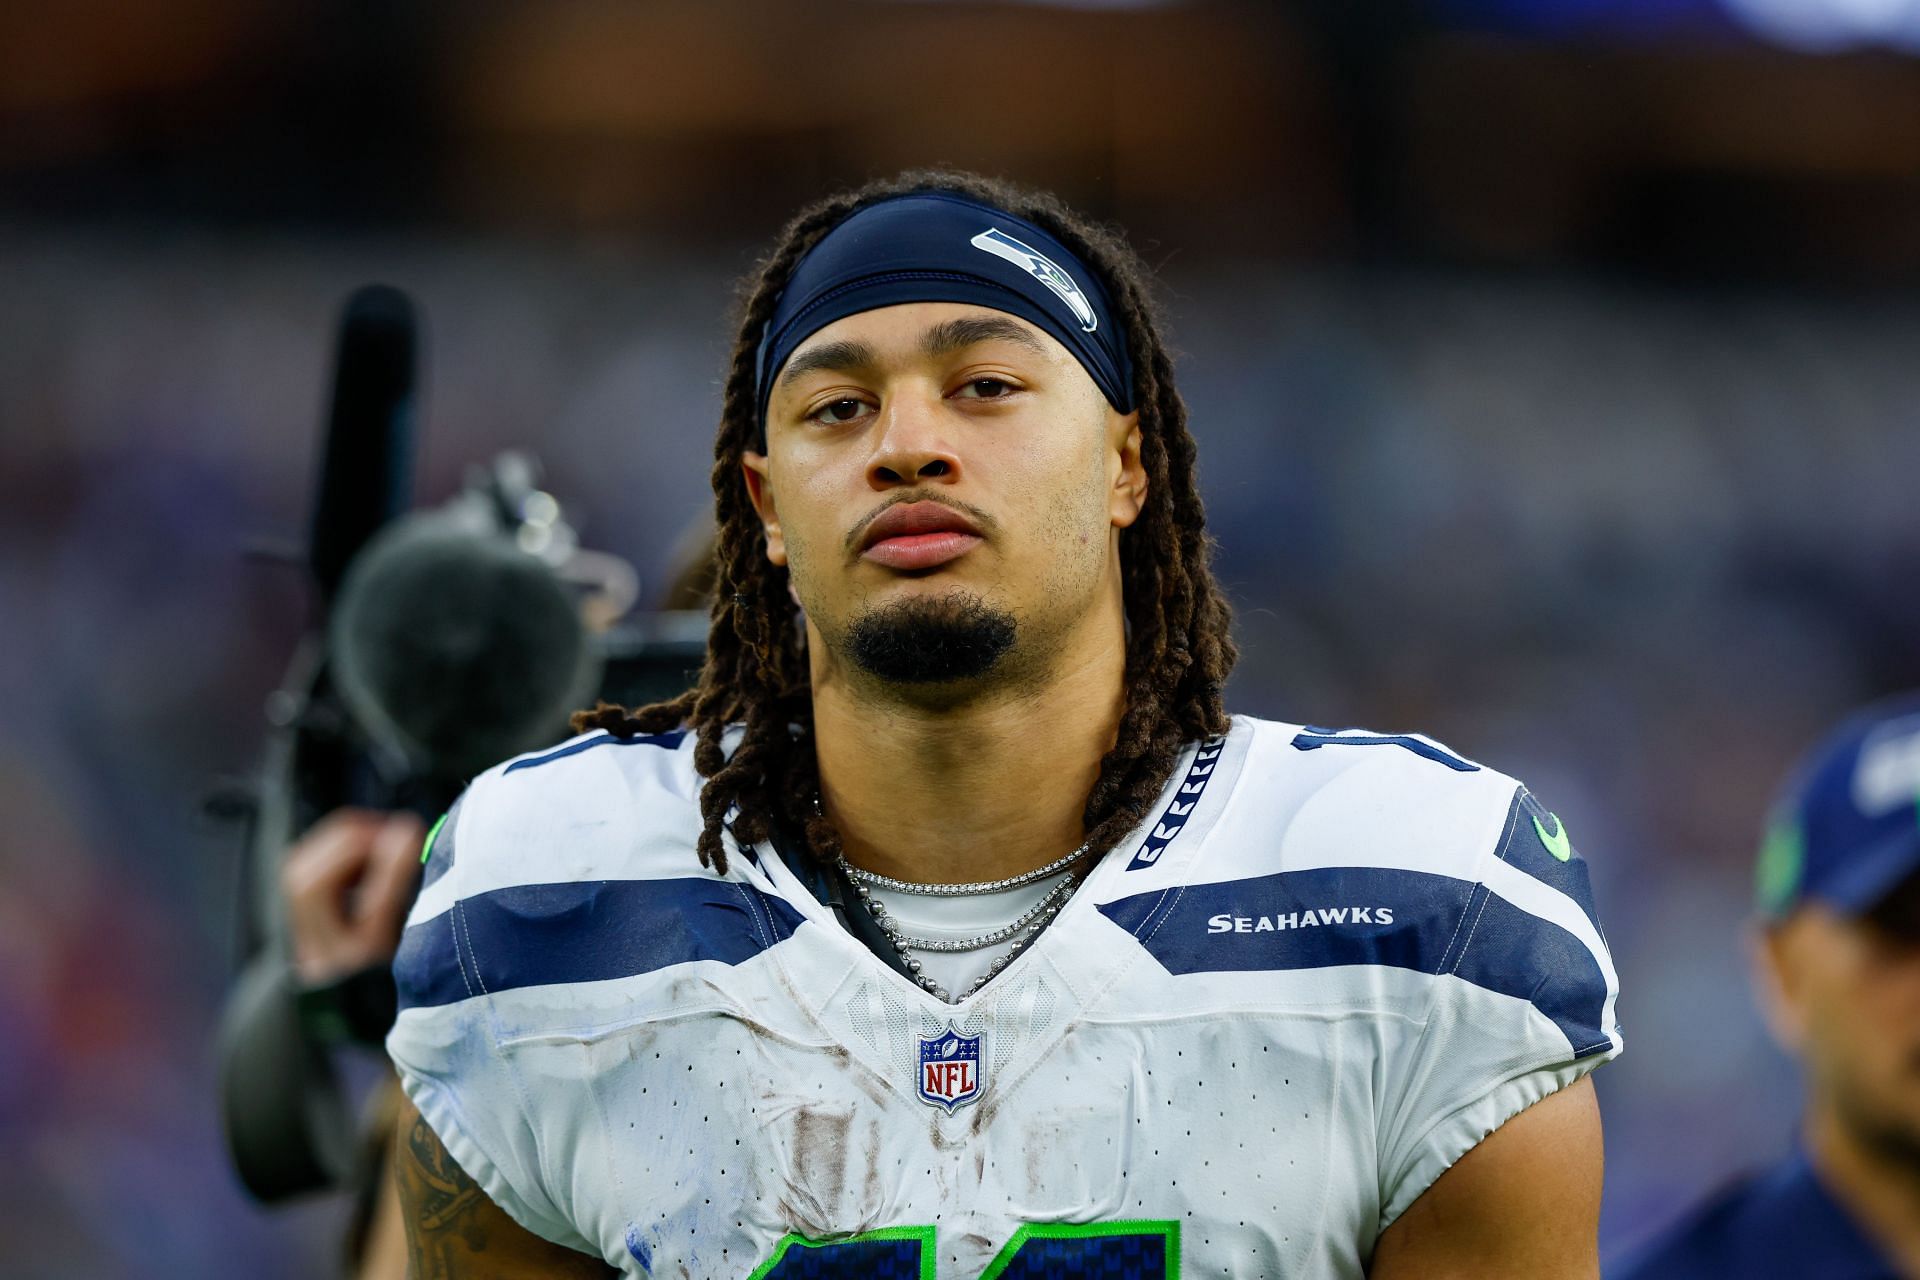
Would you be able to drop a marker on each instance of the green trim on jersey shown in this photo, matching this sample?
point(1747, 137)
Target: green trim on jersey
point(426, 846)
point(929, 1255)
point(1166, 1228)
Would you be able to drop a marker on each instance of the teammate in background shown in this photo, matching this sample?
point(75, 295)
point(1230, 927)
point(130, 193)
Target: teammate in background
point(950, 926)
point(1838, 965)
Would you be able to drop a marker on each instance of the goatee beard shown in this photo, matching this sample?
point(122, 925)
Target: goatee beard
point(939, 640)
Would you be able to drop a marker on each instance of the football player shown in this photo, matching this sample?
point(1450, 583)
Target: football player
point(1837, 959)
point(950, 926)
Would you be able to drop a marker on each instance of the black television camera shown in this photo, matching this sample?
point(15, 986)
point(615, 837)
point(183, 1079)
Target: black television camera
point(447, 639)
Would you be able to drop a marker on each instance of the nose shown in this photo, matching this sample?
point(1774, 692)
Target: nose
point(912, 446)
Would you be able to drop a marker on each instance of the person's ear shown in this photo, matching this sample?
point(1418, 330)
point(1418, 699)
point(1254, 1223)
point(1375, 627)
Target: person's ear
point(1779, 983)
point(755, 474)
point(1127, 496)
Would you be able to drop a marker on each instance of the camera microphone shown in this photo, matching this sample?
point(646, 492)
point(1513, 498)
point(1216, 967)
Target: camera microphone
point(366, 469)
point(454, 648)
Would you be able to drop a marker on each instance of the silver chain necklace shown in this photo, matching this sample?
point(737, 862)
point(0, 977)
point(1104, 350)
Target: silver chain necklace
point(1035, 919)
point(1041, 917)
point(862, 876)
point(883, 917)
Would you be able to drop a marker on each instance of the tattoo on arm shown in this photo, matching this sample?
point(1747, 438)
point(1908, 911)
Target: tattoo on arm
point(455, 1232)
point(443, 1208)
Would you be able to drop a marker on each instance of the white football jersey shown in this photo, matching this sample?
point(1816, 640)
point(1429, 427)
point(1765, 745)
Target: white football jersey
point(1328, 965)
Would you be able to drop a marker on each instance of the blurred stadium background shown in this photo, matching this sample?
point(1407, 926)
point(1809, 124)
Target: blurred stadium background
point(1553, 361)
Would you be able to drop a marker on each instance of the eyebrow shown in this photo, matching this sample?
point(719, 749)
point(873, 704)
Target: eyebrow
point(831, 356)
point(951, 335)
point(942, 339)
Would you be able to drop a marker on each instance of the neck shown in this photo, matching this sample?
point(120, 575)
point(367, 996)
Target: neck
point(973, 788)
point(1880, 1190)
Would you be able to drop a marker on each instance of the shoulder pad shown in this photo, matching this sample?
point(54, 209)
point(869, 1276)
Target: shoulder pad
point(596, 807)
point(1350, 797)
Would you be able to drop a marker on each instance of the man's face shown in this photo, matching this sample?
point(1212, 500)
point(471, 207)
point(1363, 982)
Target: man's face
point(946, 486)
point(1847, 999)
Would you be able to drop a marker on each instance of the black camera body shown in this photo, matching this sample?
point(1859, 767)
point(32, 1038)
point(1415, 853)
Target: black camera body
point(449, 639)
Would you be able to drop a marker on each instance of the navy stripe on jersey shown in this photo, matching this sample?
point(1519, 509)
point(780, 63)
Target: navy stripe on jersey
point(668, 740)
point(1523, 847)
point(1415, 920)
point(585, 931)
point(1313, 739)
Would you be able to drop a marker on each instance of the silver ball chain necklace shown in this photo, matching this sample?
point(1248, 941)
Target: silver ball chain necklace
point(1034, 920)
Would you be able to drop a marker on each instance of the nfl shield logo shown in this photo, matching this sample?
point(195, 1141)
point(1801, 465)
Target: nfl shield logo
point(949, 1069)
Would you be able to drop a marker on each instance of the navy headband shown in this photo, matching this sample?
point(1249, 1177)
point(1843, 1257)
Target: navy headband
point(935, 246)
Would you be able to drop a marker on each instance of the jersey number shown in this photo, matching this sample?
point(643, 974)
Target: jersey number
point(1093, 1251)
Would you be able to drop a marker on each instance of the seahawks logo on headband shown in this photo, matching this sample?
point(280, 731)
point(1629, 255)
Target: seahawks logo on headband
point(1040, 267)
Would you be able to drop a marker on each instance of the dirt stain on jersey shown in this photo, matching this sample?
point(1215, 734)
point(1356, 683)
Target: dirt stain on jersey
point(870, 1148)
point(815, 1137)
point(820, 1152)
point(943, 1140)
point(873, 1087)
point(1035, 1152)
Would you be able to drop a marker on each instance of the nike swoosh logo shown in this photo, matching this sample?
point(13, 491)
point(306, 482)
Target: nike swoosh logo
point(1557, 844)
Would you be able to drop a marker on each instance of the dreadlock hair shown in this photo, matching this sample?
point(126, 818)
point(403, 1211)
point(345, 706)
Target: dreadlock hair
point(1179, 650)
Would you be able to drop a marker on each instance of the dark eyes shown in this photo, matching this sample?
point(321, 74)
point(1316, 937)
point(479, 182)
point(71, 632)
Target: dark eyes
point(839, 411)
point(848, 409)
